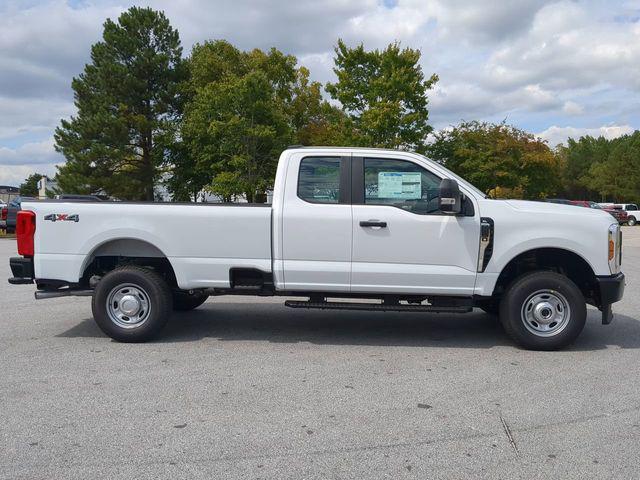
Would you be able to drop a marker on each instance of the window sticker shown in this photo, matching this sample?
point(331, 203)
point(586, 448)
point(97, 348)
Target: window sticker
point(400, 185)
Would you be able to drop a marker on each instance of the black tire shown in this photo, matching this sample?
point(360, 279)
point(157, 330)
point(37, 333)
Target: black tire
point(523, 306)
point(141, 285)
point(631, 221)
point(185, 301)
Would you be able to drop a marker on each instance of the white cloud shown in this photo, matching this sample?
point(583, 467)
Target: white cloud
point(30, 153)
point(24, 116)
point(44, 45)
point(567, 48)
point(572, 108)
point(16, 164)
point(555, 135)
point(16, 174)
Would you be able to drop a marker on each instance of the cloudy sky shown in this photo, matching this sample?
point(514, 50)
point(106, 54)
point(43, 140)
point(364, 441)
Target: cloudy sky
point(557, 69)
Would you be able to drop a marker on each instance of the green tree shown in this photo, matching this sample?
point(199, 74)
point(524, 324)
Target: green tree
point(128, 106)
point(29, 188)
point(500, 159)
point(579, 156)
point(617, 176)
point(243, 109)
point(316, 121)
point(385, 95)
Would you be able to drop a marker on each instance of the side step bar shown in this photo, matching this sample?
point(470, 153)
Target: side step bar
point(44, 294)
point(394, 307)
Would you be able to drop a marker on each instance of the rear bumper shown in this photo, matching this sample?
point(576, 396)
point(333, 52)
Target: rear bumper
point(611, 290)
point(22, 270)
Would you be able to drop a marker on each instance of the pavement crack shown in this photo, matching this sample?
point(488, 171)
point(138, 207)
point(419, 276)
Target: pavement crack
point(507, 432)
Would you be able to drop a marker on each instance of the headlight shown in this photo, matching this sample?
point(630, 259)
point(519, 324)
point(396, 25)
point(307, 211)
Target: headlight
point(614, 248)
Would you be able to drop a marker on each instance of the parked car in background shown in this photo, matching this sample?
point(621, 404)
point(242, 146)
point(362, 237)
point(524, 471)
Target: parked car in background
point(12, 212)
point(3, 215)
point(561, 201)
point(617, 213)
point(633, 215)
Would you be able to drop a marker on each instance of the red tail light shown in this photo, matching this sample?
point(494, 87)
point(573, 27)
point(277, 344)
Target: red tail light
point(5, 211)
point(25, 230)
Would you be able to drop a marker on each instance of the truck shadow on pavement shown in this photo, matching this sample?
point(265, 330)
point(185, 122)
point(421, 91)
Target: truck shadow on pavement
point(271, 322)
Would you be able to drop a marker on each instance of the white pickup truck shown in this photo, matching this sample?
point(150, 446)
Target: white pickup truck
point(349, 228)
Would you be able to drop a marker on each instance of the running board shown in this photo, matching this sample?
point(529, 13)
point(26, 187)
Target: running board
point(44, 294)
point(393, 307)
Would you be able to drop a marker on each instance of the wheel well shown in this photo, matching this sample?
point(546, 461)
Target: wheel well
point(557, 260)
point(127, 251)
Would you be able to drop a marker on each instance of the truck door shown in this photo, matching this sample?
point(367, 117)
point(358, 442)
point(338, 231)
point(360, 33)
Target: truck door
point(316, 224)
point(401, 241)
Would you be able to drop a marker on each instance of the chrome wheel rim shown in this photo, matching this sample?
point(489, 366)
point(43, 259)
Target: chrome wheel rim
point(545, 313)
point(128, 306)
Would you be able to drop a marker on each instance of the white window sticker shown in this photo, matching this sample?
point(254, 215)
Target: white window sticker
point(400, 185)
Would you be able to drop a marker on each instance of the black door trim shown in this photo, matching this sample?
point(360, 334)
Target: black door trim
point(357, 180)
point(345, 181)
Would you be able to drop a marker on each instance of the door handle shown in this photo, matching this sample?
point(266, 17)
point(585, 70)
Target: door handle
point(373, 223)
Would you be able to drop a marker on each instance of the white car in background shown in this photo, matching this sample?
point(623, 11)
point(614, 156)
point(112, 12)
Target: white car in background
point(632, 211)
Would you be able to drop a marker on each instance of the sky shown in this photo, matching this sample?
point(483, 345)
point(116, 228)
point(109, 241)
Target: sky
point(555, 68)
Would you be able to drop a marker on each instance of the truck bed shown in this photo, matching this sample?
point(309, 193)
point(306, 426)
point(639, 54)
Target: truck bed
point(202, 241)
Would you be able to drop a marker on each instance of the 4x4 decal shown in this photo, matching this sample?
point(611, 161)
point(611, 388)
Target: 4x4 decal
point(62, 217)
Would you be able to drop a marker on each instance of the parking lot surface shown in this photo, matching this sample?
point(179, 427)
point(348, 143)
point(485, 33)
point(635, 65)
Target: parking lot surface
point(246, 388)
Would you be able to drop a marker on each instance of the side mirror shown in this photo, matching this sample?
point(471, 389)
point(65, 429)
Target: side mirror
point(450, 199)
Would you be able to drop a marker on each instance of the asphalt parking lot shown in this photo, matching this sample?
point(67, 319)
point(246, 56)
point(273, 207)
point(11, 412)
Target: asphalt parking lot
point(246, 388)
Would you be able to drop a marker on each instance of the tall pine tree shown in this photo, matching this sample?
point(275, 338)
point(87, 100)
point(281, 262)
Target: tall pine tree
point(128, 105)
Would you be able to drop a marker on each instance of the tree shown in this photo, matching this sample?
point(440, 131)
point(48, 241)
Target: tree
point(385, 95)
point(579, 156)
point(243, 109)
point(500, 159)
point(29, 188)
point(128, 105)
point(616, 177)
point(316, 121)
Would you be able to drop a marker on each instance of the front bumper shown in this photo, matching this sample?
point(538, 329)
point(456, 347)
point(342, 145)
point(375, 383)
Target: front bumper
point(22, 269)
point(611, 290)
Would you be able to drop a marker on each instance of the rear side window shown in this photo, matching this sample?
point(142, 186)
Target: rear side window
point(400, 184)
point(632, 207)
point(319, 180)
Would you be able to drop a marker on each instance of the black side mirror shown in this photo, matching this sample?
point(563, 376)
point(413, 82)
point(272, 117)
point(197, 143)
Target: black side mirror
point(450, 198)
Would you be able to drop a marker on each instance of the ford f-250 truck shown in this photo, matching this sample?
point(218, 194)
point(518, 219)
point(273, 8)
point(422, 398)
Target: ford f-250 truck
point(349, 228)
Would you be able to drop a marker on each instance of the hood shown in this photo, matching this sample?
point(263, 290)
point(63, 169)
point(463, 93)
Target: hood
point(555, 208)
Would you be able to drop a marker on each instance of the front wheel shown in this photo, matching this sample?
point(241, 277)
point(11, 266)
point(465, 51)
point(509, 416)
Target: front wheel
point(631, 221)
point(543, 311)
point(131, 304)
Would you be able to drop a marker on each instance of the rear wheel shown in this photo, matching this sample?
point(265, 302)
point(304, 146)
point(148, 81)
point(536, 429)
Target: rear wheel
point(543, 311)
point(631, 221)
point(131, 304)
point(185, 301)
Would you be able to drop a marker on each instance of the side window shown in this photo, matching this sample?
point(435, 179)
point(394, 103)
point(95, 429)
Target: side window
point(319, 180)
point(401, 184)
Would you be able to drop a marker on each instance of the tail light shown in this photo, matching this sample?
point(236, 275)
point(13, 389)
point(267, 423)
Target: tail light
point(25, 231)
point(5, 211)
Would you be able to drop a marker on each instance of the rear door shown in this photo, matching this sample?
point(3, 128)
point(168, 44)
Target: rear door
point(402, 243)
point(316, 223)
